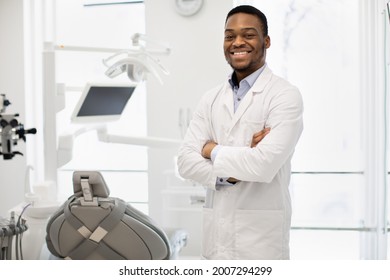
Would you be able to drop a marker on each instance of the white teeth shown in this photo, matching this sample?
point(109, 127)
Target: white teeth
point(240, 53)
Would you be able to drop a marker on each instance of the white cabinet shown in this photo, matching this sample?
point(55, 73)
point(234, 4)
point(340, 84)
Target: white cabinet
point(182, 208)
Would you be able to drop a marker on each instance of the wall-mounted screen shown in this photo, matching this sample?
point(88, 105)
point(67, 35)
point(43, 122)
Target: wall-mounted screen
point(102, 102)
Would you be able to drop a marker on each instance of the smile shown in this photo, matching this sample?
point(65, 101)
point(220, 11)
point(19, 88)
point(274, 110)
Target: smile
point(239, 53)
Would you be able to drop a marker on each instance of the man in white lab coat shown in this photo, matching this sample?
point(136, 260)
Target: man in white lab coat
point(239, 145)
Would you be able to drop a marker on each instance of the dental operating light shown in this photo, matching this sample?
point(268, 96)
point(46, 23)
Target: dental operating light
point(137, 62)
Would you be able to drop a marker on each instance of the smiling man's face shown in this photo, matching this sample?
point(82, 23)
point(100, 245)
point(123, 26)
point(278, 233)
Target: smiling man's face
point(245, 44)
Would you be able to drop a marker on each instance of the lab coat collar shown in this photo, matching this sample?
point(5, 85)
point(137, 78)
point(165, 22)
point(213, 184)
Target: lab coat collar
point(257, 88)
point(262, 81)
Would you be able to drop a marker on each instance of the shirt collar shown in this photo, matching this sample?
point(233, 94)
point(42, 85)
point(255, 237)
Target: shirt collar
point(250, 80)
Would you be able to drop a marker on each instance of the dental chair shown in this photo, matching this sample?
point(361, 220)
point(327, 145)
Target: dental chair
point(91, 225)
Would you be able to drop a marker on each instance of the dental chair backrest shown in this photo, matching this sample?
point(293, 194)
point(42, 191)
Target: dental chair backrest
point(91, 225)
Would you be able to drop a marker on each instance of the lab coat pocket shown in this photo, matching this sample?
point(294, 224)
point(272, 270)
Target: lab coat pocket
point(207, 236)
point(259, 234)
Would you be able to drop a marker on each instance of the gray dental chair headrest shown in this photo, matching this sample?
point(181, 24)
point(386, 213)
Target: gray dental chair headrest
point(90, 225)
point(96, 181)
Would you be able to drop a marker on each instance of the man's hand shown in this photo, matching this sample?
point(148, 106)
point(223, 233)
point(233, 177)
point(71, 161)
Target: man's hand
point(232, 180)
point(207, 148)
point(258, 136)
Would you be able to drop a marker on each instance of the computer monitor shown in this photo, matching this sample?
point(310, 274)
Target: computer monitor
point(101, 103)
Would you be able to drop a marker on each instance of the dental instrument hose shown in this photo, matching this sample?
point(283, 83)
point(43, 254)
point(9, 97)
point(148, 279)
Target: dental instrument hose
point(10, 230)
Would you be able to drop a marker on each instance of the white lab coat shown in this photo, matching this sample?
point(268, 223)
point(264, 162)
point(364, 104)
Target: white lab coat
point(250, 220)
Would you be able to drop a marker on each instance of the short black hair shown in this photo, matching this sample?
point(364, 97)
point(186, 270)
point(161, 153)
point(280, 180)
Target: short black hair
point(247, 9)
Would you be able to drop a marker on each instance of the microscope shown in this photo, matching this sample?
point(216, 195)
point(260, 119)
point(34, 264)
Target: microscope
point(11, 131)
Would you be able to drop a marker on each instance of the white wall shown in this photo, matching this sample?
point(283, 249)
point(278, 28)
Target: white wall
point(12, 84)
point(196, 64)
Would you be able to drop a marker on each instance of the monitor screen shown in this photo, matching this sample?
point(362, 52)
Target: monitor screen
point(100, 103)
